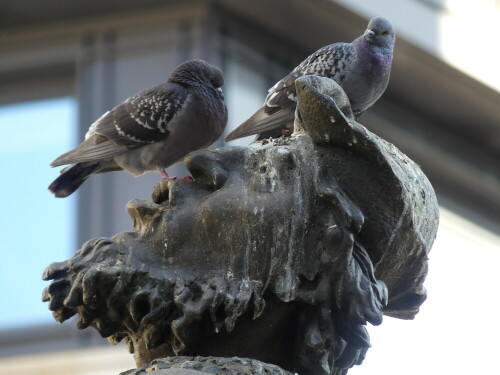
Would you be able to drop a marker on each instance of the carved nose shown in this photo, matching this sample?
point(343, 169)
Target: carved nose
point(143, 213)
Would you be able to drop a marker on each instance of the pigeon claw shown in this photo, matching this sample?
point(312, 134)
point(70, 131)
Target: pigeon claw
point(185, 178)
point(165, 175)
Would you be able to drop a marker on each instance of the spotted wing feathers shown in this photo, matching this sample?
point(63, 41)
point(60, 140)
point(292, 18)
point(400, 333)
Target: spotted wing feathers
point(331, 61)
point(140, 120)
point(143, 118)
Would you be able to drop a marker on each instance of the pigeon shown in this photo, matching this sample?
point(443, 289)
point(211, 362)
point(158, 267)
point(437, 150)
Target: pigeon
point(152, 129)
point(362, 68)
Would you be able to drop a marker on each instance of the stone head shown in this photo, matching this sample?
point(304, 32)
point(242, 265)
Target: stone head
point(281, 251)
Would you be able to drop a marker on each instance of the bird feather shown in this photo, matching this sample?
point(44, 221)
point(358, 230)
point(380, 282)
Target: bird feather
point(261, 122)
point(88, 151)
point(150, 130)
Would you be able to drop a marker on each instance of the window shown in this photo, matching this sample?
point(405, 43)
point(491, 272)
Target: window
point(249, 73)
point(36, 227)
point(245, 89)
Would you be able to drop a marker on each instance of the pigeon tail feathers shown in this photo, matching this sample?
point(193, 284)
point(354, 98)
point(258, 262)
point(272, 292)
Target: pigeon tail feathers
point(90, 152)
point(261, 122)
point(71, 178)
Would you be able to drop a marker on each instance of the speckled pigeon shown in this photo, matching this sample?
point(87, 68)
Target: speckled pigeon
point(362, 68)
point(151, 130)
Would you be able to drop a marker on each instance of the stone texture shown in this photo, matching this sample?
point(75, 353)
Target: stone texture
point(207, 365)
point(281, 251)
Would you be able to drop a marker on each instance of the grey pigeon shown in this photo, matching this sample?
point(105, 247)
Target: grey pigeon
point(151, 130)
point(362, 68)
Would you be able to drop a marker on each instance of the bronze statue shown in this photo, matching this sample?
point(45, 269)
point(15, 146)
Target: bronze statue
point(281, 251)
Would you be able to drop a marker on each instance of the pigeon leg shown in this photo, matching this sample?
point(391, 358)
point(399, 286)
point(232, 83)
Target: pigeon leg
point(165, 175)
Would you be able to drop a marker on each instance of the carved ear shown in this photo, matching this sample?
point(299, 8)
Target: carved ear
point(323, 111)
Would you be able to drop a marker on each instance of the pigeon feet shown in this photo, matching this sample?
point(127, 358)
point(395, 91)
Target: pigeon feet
point(185, 178)
point(165, 175)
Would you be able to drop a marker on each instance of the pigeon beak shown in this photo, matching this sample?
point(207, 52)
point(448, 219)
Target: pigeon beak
point(369, 34)
point(219, 89)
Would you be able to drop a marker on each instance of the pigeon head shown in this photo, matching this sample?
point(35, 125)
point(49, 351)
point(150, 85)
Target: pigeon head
point(196, 71)
point(380, 32)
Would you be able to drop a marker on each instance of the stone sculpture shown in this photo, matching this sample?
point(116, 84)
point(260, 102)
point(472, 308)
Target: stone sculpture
point(281, 252)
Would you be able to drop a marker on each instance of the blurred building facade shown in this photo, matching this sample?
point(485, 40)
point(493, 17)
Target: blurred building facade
point(99, 53)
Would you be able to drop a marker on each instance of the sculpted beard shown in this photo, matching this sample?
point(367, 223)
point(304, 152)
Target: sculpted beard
point(109, 287)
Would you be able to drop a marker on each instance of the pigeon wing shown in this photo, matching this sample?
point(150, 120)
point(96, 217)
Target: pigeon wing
point(331, 61)
point(262, 122)
point(140, 120)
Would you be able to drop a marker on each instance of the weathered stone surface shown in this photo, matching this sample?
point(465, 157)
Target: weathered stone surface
point(207, 365)
point(396, 198)
point(177, 371)
point(281, 251)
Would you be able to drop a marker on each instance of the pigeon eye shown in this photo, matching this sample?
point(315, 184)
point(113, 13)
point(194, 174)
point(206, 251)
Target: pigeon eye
point(385, 32)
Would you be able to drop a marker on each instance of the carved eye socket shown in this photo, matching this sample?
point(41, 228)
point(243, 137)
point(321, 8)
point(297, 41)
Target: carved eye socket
point(213, 178)
point(260, 184)
point(385, 32)
point(206, 170)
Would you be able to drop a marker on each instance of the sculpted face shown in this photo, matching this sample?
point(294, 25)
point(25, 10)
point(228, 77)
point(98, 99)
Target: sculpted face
point(241, 207)
point(269, 253)
point(203, 251)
